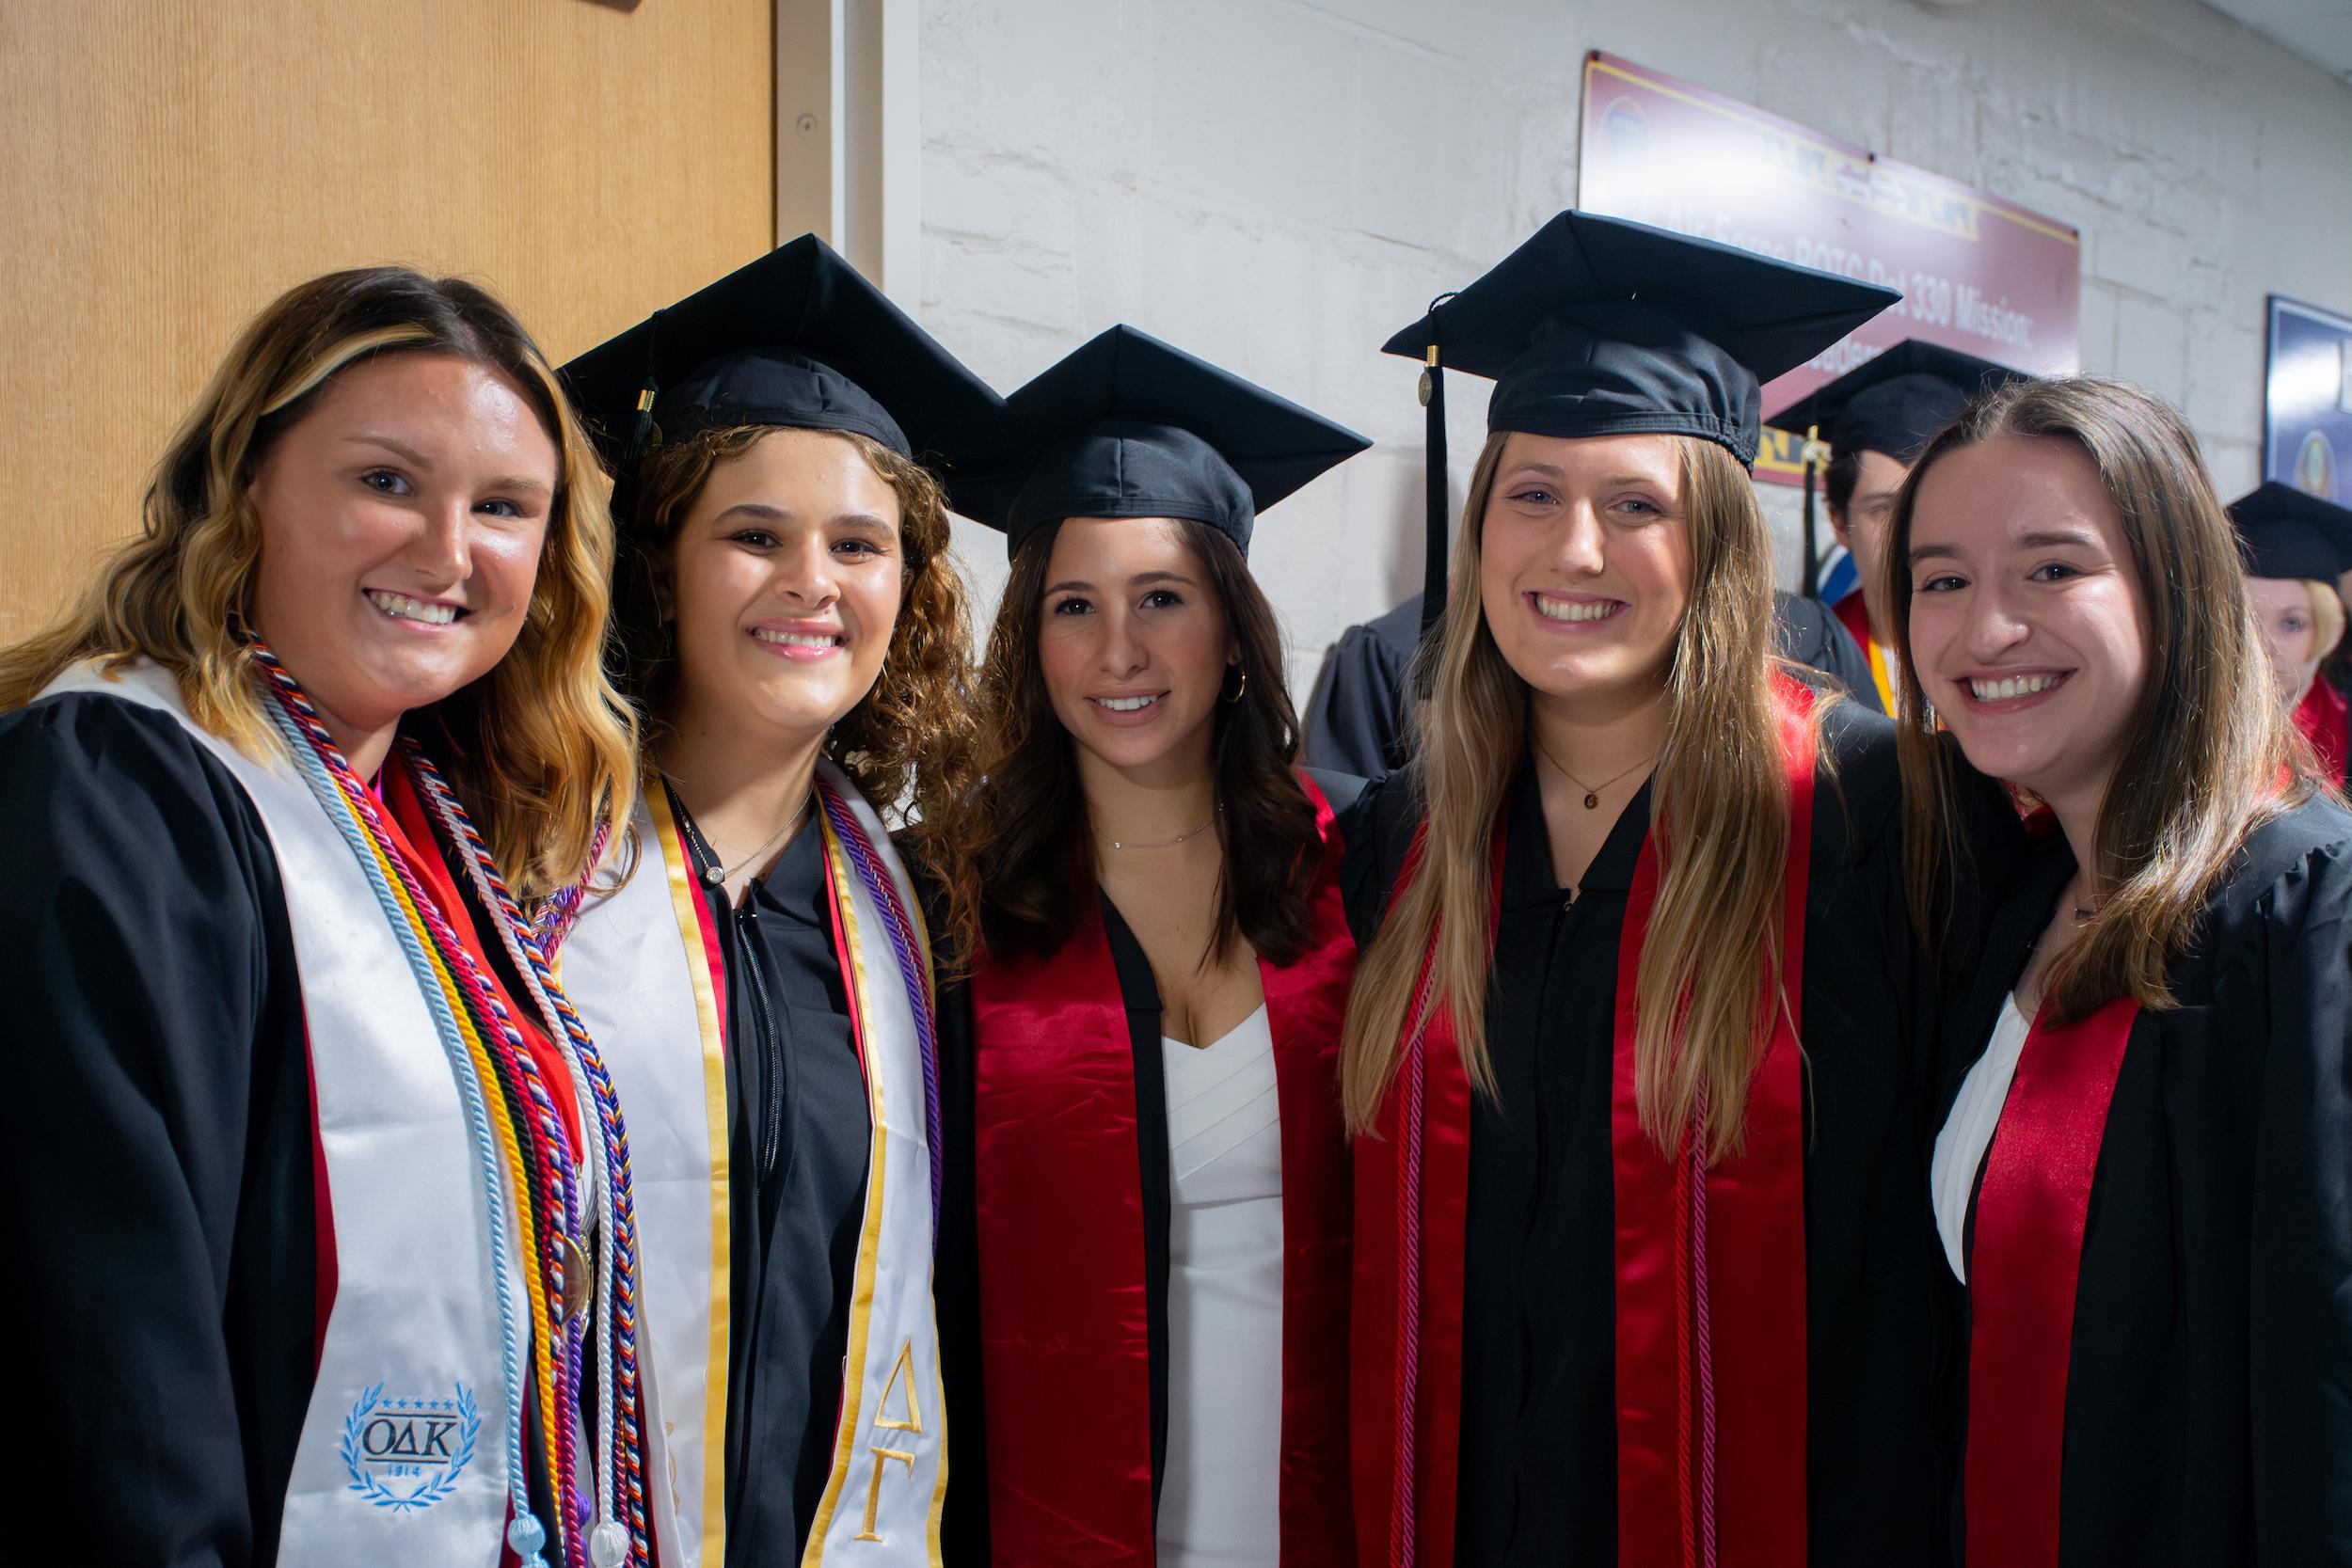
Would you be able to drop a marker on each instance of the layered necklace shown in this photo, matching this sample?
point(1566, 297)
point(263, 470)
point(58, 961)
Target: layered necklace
point(522, 1148)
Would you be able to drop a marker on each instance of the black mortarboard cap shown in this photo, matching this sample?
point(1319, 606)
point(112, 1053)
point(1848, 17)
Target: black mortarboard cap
point(1892, 402)
point(1128, 427)
point(2286, 533)
point(795, 339)
point(1599, 326)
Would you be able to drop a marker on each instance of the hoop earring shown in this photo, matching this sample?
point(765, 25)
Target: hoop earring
point(1239, 689)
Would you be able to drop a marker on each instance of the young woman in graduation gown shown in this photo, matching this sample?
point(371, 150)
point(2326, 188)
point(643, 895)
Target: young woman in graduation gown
point(2295, 546)
point(1636, 1054)
point(2146, 1143)
point(324, 1247)
point(1148, 1250)
point(752, 950)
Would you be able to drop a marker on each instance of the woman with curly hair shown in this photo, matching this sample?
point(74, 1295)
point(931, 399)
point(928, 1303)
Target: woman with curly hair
point(1144, 1272)
point(793, 629)
point(322, 1208)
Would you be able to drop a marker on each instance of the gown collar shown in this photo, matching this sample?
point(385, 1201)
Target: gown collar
point(1527, 878)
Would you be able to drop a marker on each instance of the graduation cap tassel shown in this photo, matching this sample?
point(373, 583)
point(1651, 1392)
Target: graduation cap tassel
point(641, 427)
point(641, 431)
point(1433, 589)
point(1812, 539)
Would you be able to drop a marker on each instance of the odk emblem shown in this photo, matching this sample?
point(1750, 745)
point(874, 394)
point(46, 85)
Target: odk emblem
point(408, 1453)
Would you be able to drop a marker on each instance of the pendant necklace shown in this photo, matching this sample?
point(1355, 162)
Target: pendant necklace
point(1592, 792)
point(716, 874)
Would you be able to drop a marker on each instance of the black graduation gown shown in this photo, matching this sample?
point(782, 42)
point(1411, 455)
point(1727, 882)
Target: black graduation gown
point(1355, 721)
point(156, 1143)
point(964, 1530)
point(799, 1148)
point(2209, 1390)
point(1537, 1464)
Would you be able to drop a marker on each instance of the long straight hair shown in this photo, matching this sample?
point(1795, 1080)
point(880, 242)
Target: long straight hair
point(1706, 987)
point(2205, 751)
point(540, 750)
point(1007, 854)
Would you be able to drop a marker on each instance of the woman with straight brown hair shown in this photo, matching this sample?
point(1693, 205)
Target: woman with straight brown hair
point(2146, 1149)
point(1636, 1055)
point(1144, 1263)
point(323, 1212)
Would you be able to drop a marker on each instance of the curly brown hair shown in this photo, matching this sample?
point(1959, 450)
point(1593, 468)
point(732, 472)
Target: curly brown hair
point(1007, 853)
point(907, 743)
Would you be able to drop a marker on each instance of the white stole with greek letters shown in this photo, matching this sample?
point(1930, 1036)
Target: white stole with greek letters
point(402, 1457)
point(635, 967)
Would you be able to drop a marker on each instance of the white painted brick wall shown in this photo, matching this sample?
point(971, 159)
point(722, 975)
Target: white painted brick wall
point(1279, 184)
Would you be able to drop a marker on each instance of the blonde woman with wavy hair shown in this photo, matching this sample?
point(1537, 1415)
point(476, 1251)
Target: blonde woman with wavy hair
point(1633, 1055)
point(324, 1197)
point(2145, 1153)
point(751, 953)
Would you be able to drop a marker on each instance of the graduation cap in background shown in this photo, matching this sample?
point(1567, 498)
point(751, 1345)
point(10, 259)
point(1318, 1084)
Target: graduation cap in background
point(1599, 326)
point(796, 339)
point(1128, 427)
point(2286, 533)
point(1893, 403)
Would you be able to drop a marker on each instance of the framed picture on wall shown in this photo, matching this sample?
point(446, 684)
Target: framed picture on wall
point(2306, 400)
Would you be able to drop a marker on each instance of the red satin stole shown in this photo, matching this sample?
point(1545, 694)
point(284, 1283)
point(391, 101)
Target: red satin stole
point(1853, 612)
point(2326, 721)
point(2024, 1264)
point(1756, 1267)
point(1064, 1322)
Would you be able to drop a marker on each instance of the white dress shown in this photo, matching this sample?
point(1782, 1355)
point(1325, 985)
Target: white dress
point(1221, 1494)
point(1968, 1132)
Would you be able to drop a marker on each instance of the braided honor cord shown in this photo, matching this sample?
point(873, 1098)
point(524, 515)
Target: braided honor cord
point(619, 1413)
point(915, 966)
point(442, 969)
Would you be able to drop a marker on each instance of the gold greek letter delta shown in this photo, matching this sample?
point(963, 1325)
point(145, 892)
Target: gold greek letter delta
point(883, 1419)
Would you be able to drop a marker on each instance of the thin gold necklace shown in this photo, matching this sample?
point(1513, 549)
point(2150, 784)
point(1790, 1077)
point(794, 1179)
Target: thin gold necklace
point(1168, 843)
point(1592, 792)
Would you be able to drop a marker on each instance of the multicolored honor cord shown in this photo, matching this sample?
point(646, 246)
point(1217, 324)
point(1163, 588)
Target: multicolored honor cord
point(914, 959)
point(619, 1423)
point(517, 1134)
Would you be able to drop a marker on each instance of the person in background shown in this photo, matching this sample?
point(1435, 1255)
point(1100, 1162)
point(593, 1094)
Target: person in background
point(322, 1239)
point(1876, 419)
point(1637, 1059)
point(792, 625)
point(2296, 547)
point(1357, 716)
point(2146, 1131)
point(1144, 894)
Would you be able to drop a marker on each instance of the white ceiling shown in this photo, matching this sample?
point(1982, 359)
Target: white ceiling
point(2319, 30)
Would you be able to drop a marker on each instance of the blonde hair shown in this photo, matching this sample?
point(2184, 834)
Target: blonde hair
point(2207, 747)
point(541, 749)
point(1720, 805)
point(2327, 617)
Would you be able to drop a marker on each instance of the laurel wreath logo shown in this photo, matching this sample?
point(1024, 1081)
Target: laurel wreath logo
point(433, 1488)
